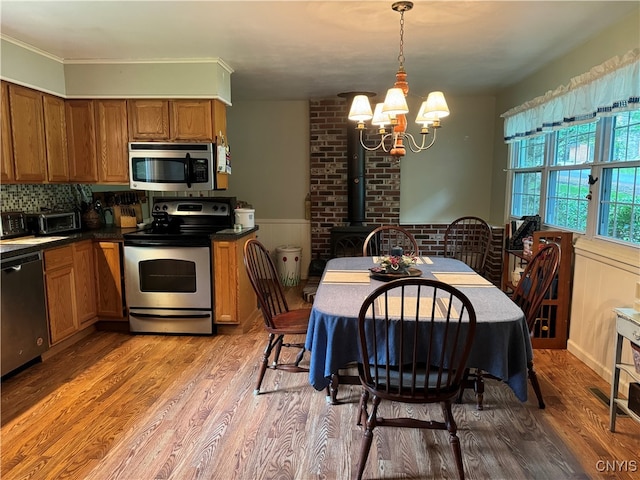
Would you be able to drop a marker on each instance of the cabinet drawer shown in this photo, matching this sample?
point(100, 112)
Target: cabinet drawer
point(58, 257)
point(628, 329)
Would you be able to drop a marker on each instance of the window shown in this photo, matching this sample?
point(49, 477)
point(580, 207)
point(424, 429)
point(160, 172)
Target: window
point(620, 198)
point(565, 174)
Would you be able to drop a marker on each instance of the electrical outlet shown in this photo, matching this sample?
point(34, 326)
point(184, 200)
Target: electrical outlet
point(437, 237)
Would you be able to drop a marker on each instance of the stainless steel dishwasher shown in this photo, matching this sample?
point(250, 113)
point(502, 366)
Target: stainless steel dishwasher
point(23, 315)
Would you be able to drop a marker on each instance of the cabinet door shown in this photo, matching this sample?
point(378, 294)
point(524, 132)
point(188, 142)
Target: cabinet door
point(81, 134)
point(84, 273)
point(148, 119)
point(191, 120)
point(112, 138)
point(55, 134)
point(220, 135)
point(225, 268)
point(109, 280)
point(60, 285)
point(6, 161)
point(27, 130)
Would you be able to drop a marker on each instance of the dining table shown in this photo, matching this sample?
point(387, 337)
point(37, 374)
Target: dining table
point(501, 347)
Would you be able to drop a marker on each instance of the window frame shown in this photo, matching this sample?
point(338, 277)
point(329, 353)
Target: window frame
point(601, 162)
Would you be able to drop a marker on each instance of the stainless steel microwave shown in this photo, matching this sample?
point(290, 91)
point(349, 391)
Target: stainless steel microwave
point(172, 166)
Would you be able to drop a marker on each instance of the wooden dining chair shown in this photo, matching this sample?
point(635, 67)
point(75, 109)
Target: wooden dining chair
point(381, 239)
point(415, 338)
point(279, 320)
point(533, 287)
point(468, 239)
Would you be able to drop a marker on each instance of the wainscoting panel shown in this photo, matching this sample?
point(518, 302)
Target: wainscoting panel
point(605, 277)
point(273, 233)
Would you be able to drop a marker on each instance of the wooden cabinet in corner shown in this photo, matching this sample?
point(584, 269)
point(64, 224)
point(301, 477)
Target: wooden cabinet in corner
point(70, 288)
point(235, 301)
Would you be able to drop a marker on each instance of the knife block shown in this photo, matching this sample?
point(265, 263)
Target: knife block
point(127, 216)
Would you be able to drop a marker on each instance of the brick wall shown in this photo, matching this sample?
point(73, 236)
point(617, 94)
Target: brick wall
point(329, 196)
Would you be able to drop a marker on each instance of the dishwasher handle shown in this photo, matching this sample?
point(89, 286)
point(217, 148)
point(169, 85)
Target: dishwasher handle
point(14, 264)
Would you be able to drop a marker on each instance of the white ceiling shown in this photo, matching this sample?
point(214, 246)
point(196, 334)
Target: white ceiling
point(310, 49)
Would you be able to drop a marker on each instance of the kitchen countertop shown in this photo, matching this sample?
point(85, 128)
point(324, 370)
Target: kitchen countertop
point(23, 245)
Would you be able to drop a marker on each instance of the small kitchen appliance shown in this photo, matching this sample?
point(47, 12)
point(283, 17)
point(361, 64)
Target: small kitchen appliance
point(47, 223)
point(168, 266)
point(13, 224)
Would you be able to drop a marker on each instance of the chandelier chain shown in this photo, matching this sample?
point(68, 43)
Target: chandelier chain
point(401, 55)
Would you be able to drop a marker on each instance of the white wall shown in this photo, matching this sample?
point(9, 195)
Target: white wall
point(605, 277)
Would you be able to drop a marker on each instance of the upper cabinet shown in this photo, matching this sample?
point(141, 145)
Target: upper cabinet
point(55, 128)
point(81, 134)
point(27, 134)
point(112, 138)
point(176, 120)
point(148, 119)
point(6, 161)
point(97, 132)
point(191, 120)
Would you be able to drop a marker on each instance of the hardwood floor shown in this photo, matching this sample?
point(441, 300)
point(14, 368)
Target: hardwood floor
point(138, 407)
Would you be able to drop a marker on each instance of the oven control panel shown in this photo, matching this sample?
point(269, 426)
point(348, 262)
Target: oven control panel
point(187, 207)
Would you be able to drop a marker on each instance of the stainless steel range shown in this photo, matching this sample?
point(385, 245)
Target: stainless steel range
point(168, 267)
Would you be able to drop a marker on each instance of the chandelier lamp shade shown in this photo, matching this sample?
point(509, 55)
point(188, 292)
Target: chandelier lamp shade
point(393, 111)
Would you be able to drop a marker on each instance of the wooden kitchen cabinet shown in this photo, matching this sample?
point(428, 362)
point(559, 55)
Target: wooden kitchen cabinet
point(71, 289)
point(109, 280)
point(191, 120)
point(112, 138)
point(84, 272)
point(55, 134)
point(551, 329)
point(7, 174)
point(81, 135)
point(235, 301)
point(27, 134)
point(60, 285)
point(176, 120)
point(148, 120)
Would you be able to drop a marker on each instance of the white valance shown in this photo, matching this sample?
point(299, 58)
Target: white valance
point(606, 89)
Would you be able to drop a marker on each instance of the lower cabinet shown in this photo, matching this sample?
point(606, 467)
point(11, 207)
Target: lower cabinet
point(71, 290)
point(234, 298)
point(84, 272)
point(108, 267)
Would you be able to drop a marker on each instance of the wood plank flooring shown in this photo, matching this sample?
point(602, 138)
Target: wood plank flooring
point(138, 407)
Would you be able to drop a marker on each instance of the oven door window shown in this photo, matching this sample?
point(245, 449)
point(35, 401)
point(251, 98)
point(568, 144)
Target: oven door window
point(159, 170)
point(168, 276)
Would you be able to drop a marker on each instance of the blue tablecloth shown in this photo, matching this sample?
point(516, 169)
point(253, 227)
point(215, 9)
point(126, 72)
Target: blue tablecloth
point(502, 345)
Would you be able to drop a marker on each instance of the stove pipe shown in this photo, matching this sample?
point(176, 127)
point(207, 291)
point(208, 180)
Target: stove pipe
point(356, 187)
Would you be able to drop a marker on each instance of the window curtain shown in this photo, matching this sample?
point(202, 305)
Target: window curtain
point(606, 89)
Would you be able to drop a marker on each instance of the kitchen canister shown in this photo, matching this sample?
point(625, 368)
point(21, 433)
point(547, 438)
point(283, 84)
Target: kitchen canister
point(244, 217)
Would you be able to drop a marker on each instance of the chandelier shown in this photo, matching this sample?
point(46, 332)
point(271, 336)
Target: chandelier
point(394, 109)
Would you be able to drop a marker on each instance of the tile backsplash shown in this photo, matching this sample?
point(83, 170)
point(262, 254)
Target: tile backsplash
point(34, 198)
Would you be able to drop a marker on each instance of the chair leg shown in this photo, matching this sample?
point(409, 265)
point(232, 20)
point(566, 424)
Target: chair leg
point(454, 441)
point(466, 379)
point(362, 408)
point(533, 378)
point(299, 356)
point(278, 346)
point(479, 389)
point(265, 362)
point(333, 389)
point(367, 437)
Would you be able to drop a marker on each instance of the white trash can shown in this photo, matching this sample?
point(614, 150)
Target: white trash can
point(288, 264)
